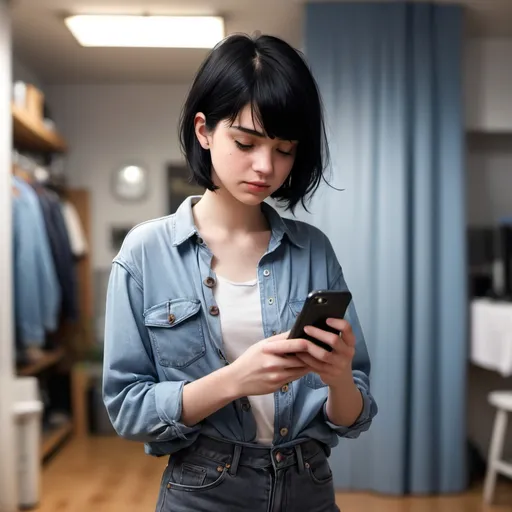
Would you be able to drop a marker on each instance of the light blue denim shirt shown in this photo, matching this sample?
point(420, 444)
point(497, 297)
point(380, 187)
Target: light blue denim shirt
point(37, 292)
point(163, 330)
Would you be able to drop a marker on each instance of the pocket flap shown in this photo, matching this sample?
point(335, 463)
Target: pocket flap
point(296, 306)
point(171, 313)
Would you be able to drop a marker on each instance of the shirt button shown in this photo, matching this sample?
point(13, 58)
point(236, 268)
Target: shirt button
point(200, 241)
point(171, 318)
point(266, 272)
point(285, 388)
point(274, 333)
point(210, 282)
point(283, 432)
point(246, 407)
point(214, 310)
point(279, 456)
point(271, 301)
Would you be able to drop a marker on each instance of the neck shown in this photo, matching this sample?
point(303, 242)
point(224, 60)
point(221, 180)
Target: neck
point(220, 210)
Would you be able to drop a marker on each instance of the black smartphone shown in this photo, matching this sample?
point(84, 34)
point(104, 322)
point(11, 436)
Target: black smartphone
point(318, 307)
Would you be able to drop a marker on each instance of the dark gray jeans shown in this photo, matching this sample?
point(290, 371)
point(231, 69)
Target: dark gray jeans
point(218, 475)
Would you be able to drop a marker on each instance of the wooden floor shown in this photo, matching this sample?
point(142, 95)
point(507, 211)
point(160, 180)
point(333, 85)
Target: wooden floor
point(112, 475)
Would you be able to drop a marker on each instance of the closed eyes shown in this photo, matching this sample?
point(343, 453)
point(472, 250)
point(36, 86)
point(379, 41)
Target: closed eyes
point(248, 147)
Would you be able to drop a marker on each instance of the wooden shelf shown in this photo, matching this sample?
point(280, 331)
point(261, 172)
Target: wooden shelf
point(49, 359)
point(53, 438)
point(33, 136)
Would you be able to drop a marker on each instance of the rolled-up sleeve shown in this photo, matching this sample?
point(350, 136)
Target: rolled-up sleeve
point(368, 412)
point(139, 406)
point(361, 365)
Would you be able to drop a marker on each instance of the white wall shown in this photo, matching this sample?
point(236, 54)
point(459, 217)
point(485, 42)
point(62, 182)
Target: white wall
point(106, 126)
point(488, 84)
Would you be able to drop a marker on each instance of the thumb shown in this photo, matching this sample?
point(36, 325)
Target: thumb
point(280, 336)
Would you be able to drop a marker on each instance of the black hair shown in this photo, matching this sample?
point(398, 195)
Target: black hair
point(271, 76)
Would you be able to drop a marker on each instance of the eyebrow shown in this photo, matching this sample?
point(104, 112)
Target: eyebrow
point(249, 131)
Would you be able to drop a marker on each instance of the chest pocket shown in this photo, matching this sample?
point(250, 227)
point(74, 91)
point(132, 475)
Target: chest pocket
point(312, 380)
point(176, 333)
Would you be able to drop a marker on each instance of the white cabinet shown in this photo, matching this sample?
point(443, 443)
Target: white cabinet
point(488, 85)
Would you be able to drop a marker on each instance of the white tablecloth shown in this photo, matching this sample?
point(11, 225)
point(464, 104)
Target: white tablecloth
point(491, 335)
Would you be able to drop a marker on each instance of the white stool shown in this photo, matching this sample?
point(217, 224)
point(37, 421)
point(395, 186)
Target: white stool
point(502, 400)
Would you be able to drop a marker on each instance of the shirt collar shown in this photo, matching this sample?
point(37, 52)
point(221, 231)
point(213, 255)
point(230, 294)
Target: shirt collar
point(184, 227)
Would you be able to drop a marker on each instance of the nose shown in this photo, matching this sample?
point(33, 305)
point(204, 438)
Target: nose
point(263, 163)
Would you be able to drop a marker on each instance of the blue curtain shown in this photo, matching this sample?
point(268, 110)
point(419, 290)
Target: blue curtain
point(390, 76)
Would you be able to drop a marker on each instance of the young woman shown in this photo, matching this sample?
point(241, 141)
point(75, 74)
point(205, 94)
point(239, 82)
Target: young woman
point(197, 356)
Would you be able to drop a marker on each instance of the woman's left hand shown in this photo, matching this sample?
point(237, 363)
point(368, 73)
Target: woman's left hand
point(330, 366)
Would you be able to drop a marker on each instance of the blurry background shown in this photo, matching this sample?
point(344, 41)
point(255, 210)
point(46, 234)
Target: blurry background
point(418, 99)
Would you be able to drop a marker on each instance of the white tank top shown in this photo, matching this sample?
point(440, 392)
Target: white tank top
point(242, 326)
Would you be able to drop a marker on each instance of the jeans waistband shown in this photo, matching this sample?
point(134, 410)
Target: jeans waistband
point(233, 454)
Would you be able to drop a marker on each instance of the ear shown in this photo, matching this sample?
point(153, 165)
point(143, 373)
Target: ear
point(202, 133)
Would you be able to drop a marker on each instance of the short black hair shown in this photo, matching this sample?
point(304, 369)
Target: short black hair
point(273, 77)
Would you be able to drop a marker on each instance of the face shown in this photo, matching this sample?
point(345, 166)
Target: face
point(246, 163)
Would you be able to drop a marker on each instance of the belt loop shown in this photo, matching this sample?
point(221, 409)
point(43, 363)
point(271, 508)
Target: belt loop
point(300, 460)
point(236, 459)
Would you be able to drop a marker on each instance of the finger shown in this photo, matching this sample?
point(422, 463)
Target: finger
point(314, 364)
point(280, 336)
point(345, 328)
point(279, 363)
point(292, 362)
point(338, 323)
point(287, 346)
point(330, 339)
point(340, 353)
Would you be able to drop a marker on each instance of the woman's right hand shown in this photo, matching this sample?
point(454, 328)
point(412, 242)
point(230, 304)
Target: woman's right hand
point(254, 373)
point(258, 373)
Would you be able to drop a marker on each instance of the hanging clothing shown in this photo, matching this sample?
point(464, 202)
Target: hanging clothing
point(77, 239)
point(61, 250)
point(37, 294)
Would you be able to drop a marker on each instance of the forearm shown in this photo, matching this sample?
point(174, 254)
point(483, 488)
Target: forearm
point(203, 397)
point(344, 403)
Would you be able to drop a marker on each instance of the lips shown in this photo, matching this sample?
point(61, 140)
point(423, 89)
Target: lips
point(258, 184)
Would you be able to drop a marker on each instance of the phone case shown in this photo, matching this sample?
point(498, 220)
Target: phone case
point(318, 307)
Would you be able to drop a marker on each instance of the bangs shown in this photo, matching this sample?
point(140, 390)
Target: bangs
point(275, 106)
